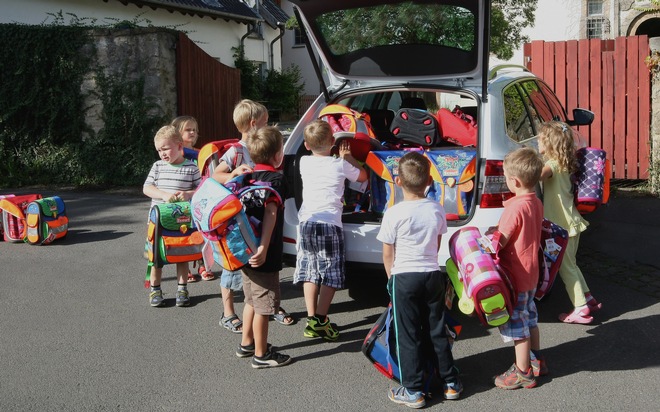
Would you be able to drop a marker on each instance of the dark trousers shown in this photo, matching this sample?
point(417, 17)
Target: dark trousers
point(418, 303)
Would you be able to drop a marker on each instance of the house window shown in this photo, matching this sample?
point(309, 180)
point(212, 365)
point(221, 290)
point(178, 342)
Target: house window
point(594, 7)
point(298, 39)
point(597, 24)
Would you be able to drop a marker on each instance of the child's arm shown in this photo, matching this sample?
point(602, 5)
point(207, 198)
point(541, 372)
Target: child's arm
point(388, 258)
point(345, 153)
point(155, 193)
point(267, 227)
point(223, 175)
point(546, 173)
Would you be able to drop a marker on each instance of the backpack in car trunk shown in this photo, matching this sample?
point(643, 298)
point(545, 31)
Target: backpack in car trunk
point(415, 128)
point(384, 166)
point(344, 119)
point(172, 236)
point(592, 179)
point(46, 220)
point(231, 237)
point(453, 172)
point(482, 280)
point(13, 216)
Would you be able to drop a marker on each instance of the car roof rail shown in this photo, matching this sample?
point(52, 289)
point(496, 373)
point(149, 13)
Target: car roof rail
point(492, 73)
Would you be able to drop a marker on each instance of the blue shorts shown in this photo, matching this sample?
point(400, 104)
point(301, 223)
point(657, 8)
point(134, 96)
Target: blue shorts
point(231, 280)
point(523, 318)
point(320, 255)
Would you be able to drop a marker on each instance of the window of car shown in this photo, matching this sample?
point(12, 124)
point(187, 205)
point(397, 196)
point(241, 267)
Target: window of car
point(517, 115)
point(558, 112)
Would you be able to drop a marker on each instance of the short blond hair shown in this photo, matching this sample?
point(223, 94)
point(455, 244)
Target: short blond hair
point(168, 132)
point(525, 164)
point(264, 144)
point(414, 172)
point(318, 135)
point(245, 112)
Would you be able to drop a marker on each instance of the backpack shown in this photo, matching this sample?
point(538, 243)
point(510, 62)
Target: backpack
point(209, 155)
point(592, 179)
point(453, 172)
point(457, 128)
point(172, 236)
point(46, 220)
point(415, 128)
point(554, 239)
point(231, 237)
point(384, 167)
point(480, 277)
point(13, 216)
point(345, 119)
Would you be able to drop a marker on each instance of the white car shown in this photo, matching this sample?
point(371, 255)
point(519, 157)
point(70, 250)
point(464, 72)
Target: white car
point(416, 61)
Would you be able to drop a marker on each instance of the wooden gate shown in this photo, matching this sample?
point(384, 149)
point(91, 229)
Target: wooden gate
point(609, 78)
point(207, 90)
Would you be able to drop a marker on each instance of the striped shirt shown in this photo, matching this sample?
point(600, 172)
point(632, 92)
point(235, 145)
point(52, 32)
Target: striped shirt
point(173, 178)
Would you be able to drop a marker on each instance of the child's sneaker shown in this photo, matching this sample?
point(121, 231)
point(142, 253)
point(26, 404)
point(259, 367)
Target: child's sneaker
point(245, 351)
point(514, 378)
point(315, 329)
point(453, 389)
point(271, 359)
point(182, 298)
point(403, 396)
point(539, 367)
point(156, 298)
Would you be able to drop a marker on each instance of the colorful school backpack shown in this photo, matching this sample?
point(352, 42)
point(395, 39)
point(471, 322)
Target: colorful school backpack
point(2, 230)
point(13, 216)
point(480, 277)
point(592, 179)
point(554, 239)
point(345, 119)
point(415, 128)
point(172, 236)
point(453, 172)
point(231, 237)
point(384, 167)
point(46, 220)
point(209, 155)
point(457, 128)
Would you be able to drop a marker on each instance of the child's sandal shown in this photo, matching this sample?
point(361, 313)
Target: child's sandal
point(232, 323)
point(206, 275)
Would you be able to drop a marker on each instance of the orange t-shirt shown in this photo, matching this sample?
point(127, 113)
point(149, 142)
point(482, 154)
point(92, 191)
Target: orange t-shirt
point(521, 223)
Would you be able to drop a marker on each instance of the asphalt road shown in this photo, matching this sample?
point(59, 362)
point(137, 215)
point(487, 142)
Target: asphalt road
point(77, 334)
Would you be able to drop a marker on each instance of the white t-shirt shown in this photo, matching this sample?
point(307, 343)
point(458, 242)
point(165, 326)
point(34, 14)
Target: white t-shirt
point(323, 188)
point(230, 157)
point(413, 228)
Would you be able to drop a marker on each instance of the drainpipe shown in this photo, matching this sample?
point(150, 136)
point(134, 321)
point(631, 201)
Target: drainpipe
point(249, 30)
point(272, 45)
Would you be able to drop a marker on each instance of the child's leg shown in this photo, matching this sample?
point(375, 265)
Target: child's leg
point(154, 277)
point(260, 331)
point(571, 275)
point(311, 292)
point(182, 298)
point(522, 348)
point(182, 273)
point(248, 324)
point(535, 339)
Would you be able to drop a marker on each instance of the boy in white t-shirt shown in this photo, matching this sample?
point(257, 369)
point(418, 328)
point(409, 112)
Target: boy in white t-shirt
point(411, 232)
point(320, 248)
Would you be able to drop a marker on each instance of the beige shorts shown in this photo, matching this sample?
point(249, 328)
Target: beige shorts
point(262, 291)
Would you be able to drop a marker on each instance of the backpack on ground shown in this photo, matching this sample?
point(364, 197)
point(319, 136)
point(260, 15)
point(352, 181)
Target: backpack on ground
point(592, 179)
point(46, 220)
point(231, 237)
point(554, 239)
point(209, 155)
point(480, 277)
point(453, 172)
point(345, 119)
point(172, 236)
point(415, 128)
point(13, 216)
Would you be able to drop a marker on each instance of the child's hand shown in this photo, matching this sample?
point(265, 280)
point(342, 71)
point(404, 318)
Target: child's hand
point(174, 197)
point(344, 148)
point(259, 258)
point(241, 170)
point(490, 230)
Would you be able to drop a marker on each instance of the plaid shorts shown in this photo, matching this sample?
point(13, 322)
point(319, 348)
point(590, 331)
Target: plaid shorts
point(523, 318)
point(320, 255)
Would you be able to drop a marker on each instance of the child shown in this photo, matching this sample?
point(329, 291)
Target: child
point(261, 279)
point(187, 127)
point(519, 234)
point(248, 116)
point(170, 179)
point(411, 232)
point(557, 144)
point(320, 254)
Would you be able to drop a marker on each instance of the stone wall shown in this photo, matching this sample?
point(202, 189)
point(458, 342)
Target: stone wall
point(654, 43)
point(148, 52)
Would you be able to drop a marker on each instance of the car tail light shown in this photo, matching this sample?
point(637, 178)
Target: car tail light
point(495, 189)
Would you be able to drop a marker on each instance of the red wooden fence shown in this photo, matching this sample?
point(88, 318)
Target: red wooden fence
point(609, 78)
point(207, 90)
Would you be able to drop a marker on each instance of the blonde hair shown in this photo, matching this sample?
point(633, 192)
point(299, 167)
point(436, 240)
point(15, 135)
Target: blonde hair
point(180, 124)
point(318, 135)
point(414, 172)
point(264, 144)
point(168, 132)
point(245, 112)
point(559, 144)
point(525, 164)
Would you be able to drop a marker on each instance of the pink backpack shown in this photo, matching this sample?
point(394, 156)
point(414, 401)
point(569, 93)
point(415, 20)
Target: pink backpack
point(592, 179)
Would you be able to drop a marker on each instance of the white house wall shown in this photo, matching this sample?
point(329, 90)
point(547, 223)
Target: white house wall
point(215, 37)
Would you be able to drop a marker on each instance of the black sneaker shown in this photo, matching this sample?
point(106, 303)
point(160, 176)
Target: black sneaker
point(270, 360)
point(245, 351)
